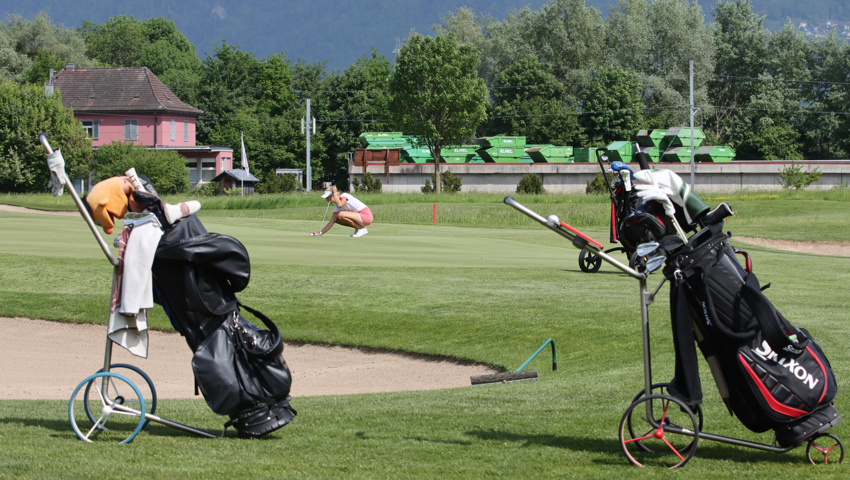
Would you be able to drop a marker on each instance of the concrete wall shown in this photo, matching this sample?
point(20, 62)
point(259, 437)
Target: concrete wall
point(573, 177)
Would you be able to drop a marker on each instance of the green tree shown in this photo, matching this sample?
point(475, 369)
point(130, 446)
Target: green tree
point(353, 102)
point(612, 102)
point(26, 111)
point(156, 44)
point(530, 103)
point(29, 49)
point(436, 93)
point(166, 168)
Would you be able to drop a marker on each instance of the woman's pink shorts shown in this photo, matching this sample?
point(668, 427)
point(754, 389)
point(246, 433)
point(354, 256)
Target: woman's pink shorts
point(366, 216)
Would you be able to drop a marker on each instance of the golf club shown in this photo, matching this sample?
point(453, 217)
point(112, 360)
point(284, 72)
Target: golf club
point(321, 225)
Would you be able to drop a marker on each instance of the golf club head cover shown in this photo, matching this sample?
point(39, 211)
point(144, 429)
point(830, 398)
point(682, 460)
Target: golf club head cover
point(678, 191)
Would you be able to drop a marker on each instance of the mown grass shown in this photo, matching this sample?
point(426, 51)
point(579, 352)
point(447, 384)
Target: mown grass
point(486, 293)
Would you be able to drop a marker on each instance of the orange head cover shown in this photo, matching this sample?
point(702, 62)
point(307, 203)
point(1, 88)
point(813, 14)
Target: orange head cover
point(109, 200)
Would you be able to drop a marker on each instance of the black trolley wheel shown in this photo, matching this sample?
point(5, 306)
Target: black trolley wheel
point(826, 444)
point(588, 262)
point(670, 437)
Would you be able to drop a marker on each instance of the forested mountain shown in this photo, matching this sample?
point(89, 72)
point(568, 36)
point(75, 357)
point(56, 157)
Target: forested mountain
point(340, 31)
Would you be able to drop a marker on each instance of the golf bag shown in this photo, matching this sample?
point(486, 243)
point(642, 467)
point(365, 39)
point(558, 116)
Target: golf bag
point(770, 374)
point(238, 367)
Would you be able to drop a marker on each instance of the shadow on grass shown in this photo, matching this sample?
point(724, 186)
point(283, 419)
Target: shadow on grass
point(705, 449)
point(64, 426)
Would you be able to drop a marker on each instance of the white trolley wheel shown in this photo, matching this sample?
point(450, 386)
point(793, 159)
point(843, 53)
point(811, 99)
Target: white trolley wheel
point(828, 445)
point(117, 420)
point(137, 377)
point(671, 444)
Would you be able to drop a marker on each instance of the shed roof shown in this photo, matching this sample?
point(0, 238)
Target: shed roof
point(114, 90)
point(237, 174)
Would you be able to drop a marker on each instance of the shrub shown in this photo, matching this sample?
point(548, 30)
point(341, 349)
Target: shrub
point(205, 190)
point(166, 168)
point(369, 184)
point(531, 183)
point(794, 176)
point(235, 190)
point(275, 183)
point(450, 183)
point(597, 185)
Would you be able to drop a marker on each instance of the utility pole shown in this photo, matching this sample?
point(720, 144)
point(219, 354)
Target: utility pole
point(693, 167)
point(309, 182)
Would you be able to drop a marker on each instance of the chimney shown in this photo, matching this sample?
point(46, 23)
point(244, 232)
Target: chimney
point(69, 67)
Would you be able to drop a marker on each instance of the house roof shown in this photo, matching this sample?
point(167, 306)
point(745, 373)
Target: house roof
point(114, 90)
point(237, 174)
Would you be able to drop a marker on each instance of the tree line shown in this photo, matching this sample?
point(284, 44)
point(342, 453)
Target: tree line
point(558, 75)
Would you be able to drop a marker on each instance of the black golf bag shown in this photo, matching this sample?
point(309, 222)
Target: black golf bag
point(770, 374)
point(238, 367)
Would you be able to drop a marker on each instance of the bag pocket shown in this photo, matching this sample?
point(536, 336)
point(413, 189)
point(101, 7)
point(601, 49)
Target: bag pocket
point(787, 388)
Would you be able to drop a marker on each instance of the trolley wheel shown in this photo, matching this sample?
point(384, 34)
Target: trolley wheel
point(637, 262)
point(117, 419)
point(826, 444)
point(671, 434)
point(658, 388)
point(588, 262)
point(137, 377)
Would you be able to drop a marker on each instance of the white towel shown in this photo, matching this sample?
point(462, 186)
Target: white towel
point(137, 290)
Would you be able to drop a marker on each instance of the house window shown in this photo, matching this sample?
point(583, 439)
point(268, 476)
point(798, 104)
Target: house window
point(185, 131)
point(173, 131)
point(131, 129)
point(207, 170)
point(91, 127)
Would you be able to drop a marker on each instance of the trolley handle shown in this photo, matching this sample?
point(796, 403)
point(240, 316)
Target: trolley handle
point(56, 164)
point(578, 239)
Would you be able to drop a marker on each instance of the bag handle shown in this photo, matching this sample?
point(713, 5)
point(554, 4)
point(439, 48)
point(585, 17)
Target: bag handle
point(775, 328)
point(278, 340)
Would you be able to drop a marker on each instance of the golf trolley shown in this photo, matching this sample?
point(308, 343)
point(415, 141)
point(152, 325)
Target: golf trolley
point(110, 405)
point(623, 202)
point(658, 428)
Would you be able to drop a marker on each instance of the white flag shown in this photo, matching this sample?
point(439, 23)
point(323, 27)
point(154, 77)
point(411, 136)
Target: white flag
point(244, 155)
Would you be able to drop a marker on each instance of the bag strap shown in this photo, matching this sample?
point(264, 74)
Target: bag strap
point(775, 328)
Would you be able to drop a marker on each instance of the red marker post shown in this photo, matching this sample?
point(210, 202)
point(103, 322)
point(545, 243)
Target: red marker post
point(435, 213)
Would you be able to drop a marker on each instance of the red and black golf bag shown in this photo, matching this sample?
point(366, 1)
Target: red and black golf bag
point(238, 367)
point(770, 374)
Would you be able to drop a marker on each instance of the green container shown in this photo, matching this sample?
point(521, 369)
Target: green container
point(621, 151)
point(650, 138)
point(654, 153)
point(585, 155)
point(714, 154)
point(501, 154)
point(681, 137)
point(551, 154)
point(501, 141)
point(381, 135)
point(677, 154)
point(384, 142)
point(416, 155)
point(458, 153)
point(476, 159)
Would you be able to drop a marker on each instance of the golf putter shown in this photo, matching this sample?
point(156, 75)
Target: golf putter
point(321, 225)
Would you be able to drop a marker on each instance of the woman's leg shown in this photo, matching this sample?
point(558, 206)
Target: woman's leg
point(350, 219)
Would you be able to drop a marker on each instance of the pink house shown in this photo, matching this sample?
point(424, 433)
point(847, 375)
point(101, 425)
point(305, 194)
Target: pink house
point(129, 104)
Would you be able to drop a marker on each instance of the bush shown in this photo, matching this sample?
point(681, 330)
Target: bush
point(597, 185)
point(275, 183)
point(205, 190)
point(233, 191)
point(794, 176)
point(451, 183)
point(369, 184)
point(531, 183)
point(166, 169)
